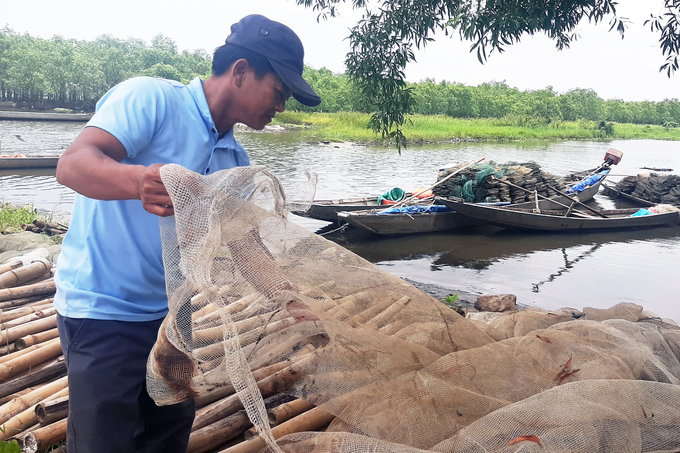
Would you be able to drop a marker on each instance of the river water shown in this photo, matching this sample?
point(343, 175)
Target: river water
point(545, 270)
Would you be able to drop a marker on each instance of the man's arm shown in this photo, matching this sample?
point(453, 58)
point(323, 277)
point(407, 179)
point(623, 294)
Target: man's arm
point(91, 166)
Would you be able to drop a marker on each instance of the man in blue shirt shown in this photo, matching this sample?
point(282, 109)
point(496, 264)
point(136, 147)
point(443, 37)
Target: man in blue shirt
point(111, 295)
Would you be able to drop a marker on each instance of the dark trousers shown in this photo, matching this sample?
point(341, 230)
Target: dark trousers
point(110, 410)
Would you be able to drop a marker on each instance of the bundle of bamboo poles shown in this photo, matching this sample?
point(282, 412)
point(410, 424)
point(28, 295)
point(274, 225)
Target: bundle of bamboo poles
point(34, 390)
point(32, 369)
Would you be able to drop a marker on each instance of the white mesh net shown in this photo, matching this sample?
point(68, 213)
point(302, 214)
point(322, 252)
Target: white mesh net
point(260, 306)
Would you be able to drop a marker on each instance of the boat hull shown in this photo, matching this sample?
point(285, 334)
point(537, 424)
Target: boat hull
point(21, 163)
point(44, 116)
point(509, 217)
point(395, 224)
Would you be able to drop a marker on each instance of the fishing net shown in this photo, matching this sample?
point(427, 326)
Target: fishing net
point(479, 182)
point(261, 306)
point(659, 189)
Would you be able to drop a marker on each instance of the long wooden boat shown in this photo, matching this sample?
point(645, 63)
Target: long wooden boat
point(22, 163)
point(430, 222)
point(611, 191)
point(328, 210)
point(512, 217)
point(43, 116)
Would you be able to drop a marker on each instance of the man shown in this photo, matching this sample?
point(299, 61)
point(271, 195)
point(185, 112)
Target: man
point(111, 295)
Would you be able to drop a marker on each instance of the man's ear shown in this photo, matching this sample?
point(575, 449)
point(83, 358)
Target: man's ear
point(238, 71)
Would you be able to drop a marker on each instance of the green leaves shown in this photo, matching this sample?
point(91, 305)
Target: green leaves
point(382, 41)
point(668, 25)
point(9, 446)
point(69, 73)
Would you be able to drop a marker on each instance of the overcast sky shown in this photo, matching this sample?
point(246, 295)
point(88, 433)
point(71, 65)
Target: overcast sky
point(616, 69)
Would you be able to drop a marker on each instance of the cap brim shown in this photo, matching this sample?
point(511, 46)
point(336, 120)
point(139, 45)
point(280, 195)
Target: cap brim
point(302, 92)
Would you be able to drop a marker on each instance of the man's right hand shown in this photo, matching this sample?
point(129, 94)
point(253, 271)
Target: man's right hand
point(154, 196)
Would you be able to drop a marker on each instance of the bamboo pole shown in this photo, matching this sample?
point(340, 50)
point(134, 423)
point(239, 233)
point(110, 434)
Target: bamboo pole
point(7, 349)
point(41, 438)
point(212, 312)
point(29, 328)
point(24, 302)
point(270, 385)
point(23, 274)
point(39, 314)
point(14, 313)
point(30, 340)
point(11, 368)
point(48, 373)
point(38, 367)
point(311, 420)
point(216, 334)
point(6, 399)
point(15, 354)
point(373, 311)
point(26, 419)
point(217, 349)
point(10, 266)
point(286, 411)
point(258, 375)
point(44, 287)
point(49, 412)
point(22, 403)
point(282, 413)
point(387, 314)
point(219, 432)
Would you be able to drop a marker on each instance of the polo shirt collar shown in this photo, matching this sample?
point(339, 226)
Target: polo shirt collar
point(196, 90)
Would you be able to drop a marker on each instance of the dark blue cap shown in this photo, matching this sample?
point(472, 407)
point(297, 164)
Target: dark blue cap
point(281, 46)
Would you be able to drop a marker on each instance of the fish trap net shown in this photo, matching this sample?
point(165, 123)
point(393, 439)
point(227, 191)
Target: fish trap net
point(260, 306)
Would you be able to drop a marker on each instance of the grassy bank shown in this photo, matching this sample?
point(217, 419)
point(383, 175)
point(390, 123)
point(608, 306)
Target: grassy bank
point(12, 217)
point(351, 126)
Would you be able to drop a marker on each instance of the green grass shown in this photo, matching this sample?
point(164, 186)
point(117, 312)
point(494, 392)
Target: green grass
point(12, 217)
point(351, 126)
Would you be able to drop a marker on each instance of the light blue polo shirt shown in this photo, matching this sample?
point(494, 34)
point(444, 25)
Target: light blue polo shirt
point(110, 265)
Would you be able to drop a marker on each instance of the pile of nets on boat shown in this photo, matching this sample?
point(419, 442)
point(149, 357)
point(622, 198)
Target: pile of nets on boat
point(475, 184)
point(261, 306)
point(656, 188)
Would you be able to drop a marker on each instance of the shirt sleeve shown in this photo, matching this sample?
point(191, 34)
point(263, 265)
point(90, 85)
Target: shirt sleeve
point(132, 111)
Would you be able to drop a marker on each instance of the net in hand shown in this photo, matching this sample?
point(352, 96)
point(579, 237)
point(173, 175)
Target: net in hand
point(260, 306)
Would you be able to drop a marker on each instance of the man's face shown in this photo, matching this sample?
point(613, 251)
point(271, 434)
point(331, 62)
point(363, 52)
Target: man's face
point(262, 99)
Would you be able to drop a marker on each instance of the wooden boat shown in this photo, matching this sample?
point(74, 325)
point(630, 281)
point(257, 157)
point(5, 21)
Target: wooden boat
point(512, 217)
point(22, 163)
point(406, 223)
point(611, 191)
point(431, 222)
point(44, 116)
point(328, 209)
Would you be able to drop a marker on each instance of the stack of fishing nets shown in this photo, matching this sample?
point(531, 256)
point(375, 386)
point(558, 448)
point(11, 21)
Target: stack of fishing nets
point(662, 189)
point(659, 189)
point(260, 306)
point(475, 184)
